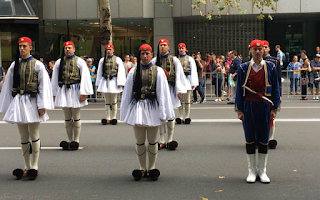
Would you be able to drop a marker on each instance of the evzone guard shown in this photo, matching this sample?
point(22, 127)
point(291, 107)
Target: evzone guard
point(176, 80)
point(257, 102)
point(190, 71)
point(266, 56)
point(25, 97)
point(111, 77)
point(146, 104)
point(71, 83)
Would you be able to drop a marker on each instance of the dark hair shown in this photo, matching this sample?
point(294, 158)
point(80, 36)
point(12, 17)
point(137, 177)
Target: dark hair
point(304, 51)
point(234, 52)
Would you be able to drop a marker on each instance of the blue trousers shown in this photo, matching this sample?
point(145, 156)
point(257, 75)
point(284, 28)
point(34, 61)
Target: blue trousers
point(256, 123)
point(295, 84)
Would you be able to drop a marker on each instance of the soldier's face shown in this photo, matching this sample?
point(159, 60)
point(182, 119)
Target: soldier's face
point(69, 50)
point(164, 48)
point(146, 57)
point(25, 49)
point(266, 50)
point(110, 51)
point(257, 52)
point(182, 50)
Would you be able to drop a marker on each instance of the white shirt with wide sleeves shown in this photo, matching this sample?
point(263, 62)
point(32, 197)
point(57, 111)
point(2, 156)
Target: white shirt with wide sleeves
point(23, 109)
point(147, 113)
point(111, 86)
point(70, 97)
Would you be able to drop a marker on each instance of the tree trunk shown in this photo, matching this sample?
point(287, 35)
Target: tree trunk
point(105, 24)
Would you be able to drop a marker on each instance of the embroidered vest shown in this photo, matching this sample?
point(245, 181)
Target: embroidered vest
point(28, 76)
point(110, 68)
point(166, 63)
point(185, 64)
point(149, 80)
point(71, 72)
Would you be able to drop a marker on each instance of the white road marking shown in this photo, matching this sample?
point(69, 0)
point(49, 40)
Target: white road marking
point(206, 108)
point(42, 148)
point(193, 120)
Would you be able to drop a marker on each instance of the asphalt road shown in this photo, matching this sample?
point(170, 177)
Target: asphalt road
point(210, 161)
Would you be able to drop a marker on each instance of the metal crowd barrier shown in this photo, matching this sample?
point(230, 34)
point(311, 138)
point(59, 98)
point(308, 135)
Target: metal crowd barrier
point(212, 91)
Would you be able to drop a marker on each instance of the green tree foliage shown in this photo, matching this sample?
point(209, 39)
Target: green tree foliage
point(221, 5)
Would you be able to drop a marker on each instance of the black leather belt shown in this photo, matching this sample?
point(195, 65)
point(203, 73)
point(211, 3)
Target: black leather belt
point(32, 94)
point(151, 96)
point(68, 85)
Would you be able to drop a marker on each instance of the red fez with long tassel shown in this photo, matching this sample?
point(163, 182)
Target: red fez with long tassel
point(256, 43)
point(25, 39)
point(145, 47)
point(163, 41)
point(182, 45)
point(67, 43)
point(109, 46)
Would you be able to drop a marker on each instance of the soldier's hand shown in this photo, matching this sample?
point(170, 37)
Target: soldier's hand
point(83, 98)
point(180, 96)
point(273, 114)
point(120, 86)
point(42, 112)
point(54, 98)
point(241, 116)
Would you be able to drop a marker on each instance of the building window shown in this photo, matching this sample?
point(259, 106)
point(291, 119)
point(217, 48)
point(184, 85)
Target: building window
point(127, 36)
point(18, 7)
point(219, 36)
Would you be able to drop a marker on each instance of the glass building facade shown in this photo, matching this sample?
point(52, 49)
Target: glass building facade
point(127, 36)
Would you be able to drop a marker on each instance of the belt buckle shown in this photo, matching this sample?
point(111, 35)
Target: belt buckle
point(143, 96)
point(21, 92)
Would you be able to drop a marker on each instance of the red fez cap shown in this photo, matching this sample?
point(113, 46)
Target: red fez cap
point(256, 43)
point(25, 39)
point(265, 43)
point(109, 46)
point(68, 43)
point(163, 41)
point(181, 45)
point(145, 47)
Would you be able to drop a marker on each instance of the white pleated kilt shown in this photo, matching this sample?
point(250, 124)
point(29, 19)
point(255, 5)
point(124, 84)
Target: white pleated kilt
point(24, 110)
point(69, 97)
point(143, 113)
point(109, 86)
point(174, 97)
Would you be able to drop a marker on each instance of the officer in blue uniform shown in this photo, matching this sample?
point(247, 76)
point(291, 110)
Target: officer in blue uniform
point(257, 102)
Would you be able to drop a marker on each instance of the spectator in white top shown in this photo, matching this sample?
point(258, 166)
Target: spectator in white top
point(127, 64)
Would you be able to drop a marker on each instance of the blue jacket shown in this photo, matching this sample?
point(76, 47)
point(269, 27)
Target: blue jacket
point(271, 90)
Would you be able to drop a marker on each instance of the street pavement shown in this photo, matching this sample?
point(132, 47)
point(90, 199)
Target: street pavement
point(210, 162)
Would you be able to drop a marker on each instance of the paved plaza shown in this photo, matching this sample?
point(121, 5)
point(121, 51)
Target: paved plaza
point(210, 162)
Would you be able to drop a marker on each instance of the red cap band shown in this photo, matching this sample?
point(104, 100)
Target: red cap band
point(182, 45)
point(163, 41)
point(145, 47)
point(67, 43)
point(256, 43)
point(25, 39)
point(109, 46)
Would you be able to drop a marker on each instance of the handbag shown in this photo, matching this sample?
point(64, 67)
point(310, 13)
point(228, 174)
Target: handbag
point(231, 81)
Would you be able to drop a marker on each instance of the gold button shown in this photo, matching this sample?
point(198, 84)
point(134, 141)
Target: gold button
point(143, 96)
point(21, 91)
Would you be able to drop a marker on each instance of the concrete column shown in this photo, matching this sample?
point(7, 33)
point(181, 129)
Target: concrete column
point(163, 25)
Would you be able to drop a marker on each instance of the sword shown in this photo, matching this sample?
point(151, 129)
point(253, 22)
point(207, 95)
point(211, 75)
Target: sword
point(261, 96)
